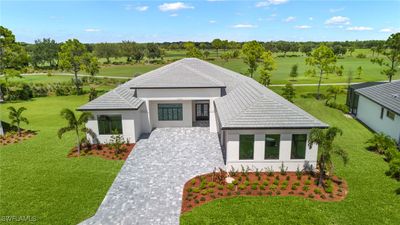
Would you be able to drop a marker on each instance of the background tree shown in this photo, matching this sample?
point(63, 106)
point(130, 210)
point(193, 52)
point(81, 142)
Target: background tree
point(13, 57)
point(324, 138)
point(359, 72)
point(72, 57)
point(206, 54)
point(105, 50)
point(268, 65)
point(75, 124)
point(153, 51)
point(226, 56)
point(306, 49)
point(127, 49)
point(45, 51)
point(391, 59)
point(351, 49)
point(289, 92)
point(339, 50)
point(293, 72)
point(92, 94)
point(138, 53)
point(216, 44)
point(252, 52)
point(324, 60)
point(339, 70)
point(92, 65)
point(16, 117)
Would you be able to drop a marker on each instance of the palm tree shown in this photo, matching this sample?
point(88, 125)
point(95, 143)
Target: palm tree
point(16, 117)
point(324, 139)
point(380, 142)
point(75, 124)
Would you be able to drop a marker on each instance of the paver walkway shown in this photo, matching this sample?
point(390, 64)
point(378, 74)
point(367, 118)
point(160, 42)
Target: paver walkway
point(148, 189)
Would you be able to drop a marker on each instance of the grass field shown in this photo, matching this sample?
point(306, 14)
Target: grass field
point(371, 198)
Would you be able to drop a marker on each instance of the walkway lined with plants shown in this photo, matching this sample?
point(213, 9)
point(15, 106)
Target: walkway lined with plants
point(148, 189)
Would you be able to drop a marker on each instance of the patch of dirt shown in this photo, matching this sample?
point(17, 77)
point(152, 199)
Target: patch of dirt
point(13, 137)
point(205, 188)
point(103, 151)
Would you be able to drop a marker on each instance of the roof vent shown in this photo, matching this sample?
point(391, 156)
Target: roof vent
point(396, 95)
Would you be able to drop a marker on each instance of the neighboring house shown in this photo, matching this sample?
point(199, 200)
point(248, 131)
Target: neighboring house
point(377, 105)
point(256, 127)
point(1, 128)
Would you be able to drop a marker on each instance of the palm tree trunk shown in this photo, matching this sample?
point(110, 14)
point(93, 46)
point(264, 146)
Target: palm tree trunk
point(19, 129)
point(78, 143)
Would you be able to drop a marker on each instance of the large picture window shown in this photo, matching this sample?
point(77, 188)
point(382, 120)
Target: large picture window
point(109, 124)
point(272, 146)
point(299, 142)
point(170, 112)
point(246, 146)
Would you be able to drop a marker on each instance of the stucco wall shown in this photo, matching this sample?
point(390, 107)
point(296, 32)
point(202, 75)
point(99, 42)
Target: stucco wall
point(186, 111)
point(369, 113)
point(131, 127)
point(232, 150)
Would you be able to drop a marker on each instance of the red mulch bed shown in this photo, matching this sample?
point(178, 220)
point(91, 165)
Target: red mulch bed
point(103, 151)
point(13, 137)
point(207, 187)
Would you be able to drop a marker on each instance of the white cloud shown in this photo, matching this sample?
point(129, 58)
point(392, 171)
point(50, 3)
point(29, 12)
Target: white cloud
point(244, 26)
point(270, 2)
point(289, 19)
point(389, 30)
point(92, 30)
point(336, 10)
point(174, 14)
point(360, 28)
point(142, 8)
point(302, 27)
point(338, 20)
point(174, 6)
point(212, 21)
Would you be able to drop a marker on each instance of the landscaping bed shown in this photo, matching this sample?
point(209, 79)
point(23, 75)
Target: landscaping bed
point(13, 137)
point(207, 187)
point(103, 151)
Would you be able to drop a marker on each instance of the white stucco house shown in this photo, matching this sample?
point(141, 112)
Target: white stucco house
point(377, 105)
point(256, 127)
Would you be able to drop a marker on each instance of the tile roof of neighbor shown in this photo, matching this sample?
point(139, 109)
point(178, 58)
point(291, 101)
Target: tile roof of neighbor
point(247, 104)
point(365, 84)
point(387, 95)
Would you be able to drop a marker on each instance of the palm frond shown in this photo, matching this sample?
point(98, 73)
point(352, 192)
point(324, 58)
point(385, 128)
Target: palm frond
point(342, 153)
point(20, 110)
point(64, 130)
point(69, 115)
point(84, 117)
point(25, 120)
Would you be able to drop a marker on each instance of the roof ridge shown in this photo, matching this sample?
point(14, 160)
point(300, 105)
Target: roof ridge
point(203, 75)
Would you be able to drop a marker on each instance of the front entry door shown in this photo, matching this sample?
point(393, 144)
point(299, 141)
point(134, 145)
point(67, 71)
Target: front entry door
point(202, 111)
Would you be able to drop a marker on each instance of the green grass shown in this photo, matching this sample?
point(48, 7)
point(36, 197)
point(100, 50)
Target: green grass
point(37, 179)
point(371, 198)
point(41, 79)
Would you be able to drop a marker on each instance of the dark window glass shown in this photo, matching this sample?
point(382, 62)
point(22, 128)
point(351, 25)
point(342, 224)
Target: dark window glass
point(299, 142)
point(109, 124)
point(382, 110)
point(390, 114)
point(272, 146)
point(246, 147)
point(170, 112)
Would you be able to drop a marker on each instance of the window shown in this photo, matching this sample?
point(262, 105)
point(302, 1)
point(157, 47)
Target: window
point(167, 112)
point(390, 114)
point(272, 146)
point(382, 110)
point(246, 146)
point(299, 142)
point(108, 124)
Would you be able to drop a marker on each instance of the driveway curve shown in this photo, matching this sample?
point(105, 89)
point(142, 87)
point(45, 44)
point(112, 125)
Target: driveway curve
point(148, 189)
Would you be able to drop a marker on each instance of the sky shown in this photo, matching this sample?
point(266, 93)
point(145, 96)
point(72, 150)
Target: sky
point(159, 21)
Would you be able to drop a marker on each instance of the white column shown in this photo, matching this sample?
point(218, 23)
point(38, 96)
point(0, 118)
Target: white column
point(212, 117)
point(259, 145)
point(285, 147)
point(232, 147)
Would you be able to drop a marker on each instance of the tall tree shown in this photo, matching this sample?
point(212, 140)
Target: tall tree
point(216, 44)
point(138, 53)
point(72, 57)
point(268, 65)
point(16, 117)
point(13, 57)
point(391, 60)
point(76, 124)
point(326, 147)
point(288, 92)
point(92, 65)
point(45, 51)
point(324, 60)
point(127, 49)
point(105, 50)
point(294, 72)
point(333, 92)
point(359, 72)
point(153, 51)
point(252, 52)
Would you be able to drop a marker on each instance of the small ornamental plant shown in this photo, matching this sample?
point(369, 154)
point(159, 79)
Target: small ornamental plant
point(220, 187)
point(230, 186)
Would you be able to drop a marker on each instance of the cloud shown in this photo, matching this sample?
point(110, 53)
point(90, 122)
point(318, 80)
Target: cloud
point(142, 8)
point(270, 2)
point(92, 30)
point(336, 10)
point(174, 14)
point(174, 6)
point(302, 27)
point(389, 30)
point(338, 20)
point(289, 19)
point(360, 28)
point(212, 21)
point(244, 26)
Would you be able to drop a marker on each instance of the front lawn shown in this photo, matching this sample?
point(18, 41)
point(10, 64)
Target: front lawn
point(38, 179)
point(371, 198)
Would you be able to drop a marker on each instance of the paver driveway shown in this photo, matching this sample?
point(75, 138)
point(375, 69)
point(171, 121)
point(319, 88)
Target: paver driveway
point(148, 189)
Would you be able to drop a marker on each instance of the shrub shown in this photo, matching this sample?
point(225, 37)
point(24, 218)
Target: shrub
point(202, 199)
point(270, 171)
point(298, 173)
point(196, 201)
point(189, 190)
point(212, 196)
point(273, 187)
point(265, 183)
point(361, 56)
point(296, 183)
point(220, 187)
point(238, 193)
point(283, 169)
point(317, 191)
point(306, 188)
point(301, 193)
point(276, 182)
point(210, 190)
point(235, 182)
point(311, 195)
point(287, 177)
point(229, 193)
point(294, 187)
point(247, 183)
point(196, 190)
point(211, 184)
point(307, 182)
point(193, 181)
point(203, 184)
point(230, 186)
point(278, 192)
point(242, 186)
point(262, 187)
point(204, 192)
point(277, 177)
point(254, 186)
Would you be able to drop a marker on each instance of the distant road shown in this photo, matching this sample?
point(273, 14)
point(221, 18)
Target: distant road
point(116, 77)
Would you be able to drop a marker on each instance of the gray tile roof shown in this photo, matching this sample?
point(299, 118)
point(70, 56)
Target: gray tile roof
point(365, 84)
point(386, 95)
point(247, 104)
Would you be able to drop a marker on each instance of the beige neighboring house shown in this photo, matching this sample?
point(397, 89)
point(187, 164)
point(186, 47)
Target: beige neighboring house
point(256, 127)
